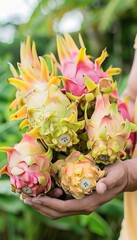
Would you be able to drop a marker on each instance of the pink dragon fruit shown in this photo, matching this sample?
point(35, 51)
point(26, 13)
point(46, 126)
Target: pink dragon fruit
point(80, 74)
point(78, 174)
point(107, 131)
point(124, 109)
point(29, 167)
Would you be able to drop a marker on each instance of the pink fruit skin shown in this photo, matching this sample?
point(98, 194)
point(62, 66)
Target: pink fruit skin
point(29, 167)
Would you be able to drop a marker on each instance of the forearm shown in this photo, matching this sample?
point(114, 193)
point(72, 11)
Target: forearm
point(132, 82)
point(131, 89)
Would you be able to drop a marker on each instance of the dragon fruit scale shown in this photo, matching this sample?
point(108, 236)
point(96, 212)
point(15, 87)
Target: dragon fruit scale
point(51, 117)
point(79, 74)
point(78, 174)
point(56, 121)
point(107, 131)
point(123, 107)
point(29, 167)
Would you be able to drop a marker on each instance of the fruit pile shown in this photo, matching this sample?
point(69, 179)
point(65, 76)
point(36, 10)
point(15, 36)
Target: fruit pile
point(73, 120)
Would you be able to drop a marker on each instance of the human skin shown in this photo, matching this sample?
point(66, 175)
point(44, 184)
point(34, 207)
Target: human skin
point(120, 177)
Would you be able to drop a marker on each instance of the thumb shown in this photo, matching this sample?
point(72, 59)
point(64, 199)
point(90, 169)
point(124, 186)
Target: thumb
point(101, 187)
point(109, 181)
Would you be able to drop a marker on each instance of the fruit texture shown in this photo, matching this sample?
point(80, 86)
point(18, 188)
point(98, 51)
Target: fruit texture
point(80, 75)
point(29, 167)
point(123, 107)
point(73, 119)
point(107, 131)
point(78, 174)
point(34, 74)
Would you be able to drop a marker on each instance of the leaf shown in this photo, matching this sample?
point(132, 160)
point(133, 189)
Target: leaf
point(68, 224)
point(98, 225)
point(111, 12)
point(6, 126)
point(5, 187)
point(114, 208)
point(11, 204)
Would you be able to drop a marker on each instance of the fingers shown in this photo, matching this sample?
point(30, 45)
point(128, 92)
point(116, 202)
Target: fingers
point(58, 205)
point(116, 175)
point(50, 213)
point(55, 193)
point(54, 208)
point(86, 204)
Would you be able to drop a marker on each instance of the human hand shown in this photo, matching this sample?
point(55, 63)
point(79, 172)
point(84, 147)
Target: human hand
point(107, 188)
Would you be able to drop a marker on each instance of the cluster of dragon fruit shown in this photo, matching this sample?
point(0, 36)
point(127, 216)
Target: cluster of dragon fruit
point(74, 122)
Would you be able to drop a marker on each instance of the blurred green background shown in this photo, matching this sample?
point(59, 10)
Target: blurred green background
point(102, 23)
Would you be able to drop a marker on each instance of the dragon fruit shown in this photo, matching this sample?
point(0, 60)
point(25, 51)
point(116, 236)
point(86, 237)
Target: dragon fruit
point(78, 174)
point(107, 131)
point(29, 167)
point(33, 74)
point(51, 117)
point(74, 123)
point(80, 74)
point(56, 122)
point(124, 109)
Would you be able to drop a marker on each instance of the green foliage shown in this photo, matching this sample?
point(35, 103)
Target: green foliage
point(110, 24)
point(112, 11)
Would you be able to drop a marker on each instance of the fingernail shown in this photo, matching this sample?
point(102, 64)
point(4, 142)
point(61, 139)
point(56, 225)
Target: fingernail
point(27, 201)
point(101, 188)
point(36, 200)
point(104, 187)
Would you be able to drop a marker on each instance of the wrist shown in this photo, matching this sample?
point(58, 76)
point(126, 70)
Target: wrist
point(131, 175)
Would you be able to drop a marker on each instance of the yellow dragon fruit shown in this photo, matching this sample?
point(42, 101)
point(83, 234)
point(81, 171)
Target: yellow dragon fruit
point(78, 174)
point(51, 117)
point(29, 167)
point(33, 74)
point(80, 74)
point(56, 121)
point(107, 131)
